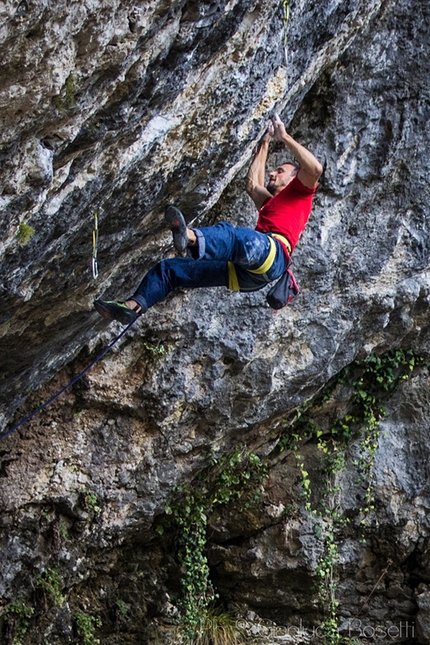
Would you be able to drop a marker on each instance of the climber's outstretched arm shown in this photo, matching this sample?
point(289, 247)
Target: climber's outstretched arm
point(255, 179)
point(310, 168)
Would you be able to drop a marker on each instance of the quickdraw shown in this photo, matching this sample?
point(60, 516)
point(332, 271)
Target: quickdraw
point(286, 5)
point(94, 263)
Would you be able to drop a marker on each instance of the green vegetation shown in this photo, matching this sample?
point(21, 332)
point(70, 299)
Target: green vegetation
point(67, 99)
point(235, 476)
point(238, 476)
point(218, 628)
point(86, 626)
point(156, 350)
point(51, 584)
point(25, 231)
point(122, 608)
point(63, 531)
point(90, 501)
point(370, 382)
point(18, 616)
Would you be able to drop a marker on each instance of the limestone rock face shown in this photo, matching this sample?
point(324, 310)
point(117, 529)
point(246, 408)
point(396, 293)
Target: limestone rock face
point(116, 109)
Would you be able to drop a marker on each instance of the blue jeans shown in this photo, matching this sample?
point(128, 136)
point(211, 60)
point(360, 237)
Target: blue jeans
point(207, 265)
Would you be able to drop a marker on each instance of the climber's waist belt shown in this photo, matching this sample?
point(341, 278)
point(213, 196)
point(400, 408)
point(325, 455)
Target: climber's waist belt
point(264, 268)
point(272, 253)
point(284, 241)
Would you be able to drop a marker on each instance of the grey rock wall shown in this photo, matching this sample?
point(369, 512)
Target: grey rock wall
point(120, 109)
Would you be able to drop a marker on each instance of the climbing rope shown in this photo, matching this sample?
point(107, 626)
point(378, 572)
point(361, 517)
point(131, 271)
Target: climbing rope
point(72, 382)
point(94, 264)
point(286, 6)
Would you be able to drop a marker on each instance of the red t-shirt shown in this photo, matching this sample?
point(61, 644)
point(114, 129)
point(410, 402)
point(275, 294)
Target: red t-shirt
point(287, 212)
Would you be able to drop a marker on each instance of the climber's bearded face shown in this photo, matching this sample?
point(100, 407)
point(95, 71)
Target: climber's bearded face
point(281, 177)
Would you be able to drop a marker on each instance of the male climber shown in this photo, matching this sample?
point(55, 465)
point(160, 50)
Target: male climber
point(223, 255)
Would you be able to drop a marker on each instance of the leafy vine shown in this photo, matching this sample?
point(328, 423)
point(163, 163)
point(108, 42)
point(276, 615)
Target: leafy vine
point(239, 476)
point(232, 477)
point(371, 381)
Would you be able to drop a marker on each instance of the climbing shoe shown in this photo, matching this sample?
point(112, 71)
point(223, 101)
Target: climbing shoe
point(112, 310)
point(178, 226)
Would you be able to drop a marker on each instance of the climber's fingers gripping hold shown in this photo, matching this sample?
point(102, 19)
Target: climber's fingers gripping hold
point(268, 135)
point(279, 131)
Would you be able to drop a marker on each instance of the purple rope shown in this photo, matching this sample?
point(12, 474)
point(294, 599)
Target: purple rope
point(72, 382)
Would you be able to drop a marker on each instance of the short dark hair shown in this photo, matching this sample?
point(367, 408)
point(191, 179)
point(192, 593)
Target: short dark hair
point(292, 163)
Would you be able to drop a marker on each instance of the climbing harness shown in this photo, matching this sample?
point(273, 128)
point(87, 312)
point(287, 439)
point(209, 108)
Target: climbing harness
point(286, 5)
point(268, 261)
point(69, 385)
point(94, 263)
point(233, 282)
point(284, 241)
point(272, 253)
point(285, 288)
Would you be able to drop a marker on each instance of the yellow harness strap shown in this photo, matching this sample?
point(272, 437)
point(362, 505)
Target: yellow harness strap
point(233, 282)
point(283, 239)
point(268, 261)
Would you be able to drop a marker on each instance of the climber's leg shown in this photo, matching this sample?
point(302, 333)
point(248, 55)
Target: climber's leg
point(243, 246)
point(246, 248)
point(162, 279)
point(123, 312)
point(176, 222)
point(171, 274)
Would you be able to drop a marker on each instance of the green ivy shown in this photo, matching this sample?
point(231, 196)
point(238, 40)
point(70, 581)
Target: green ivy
point(371, 382)
point(197, 591)
point(238, 476)
point(232, 477)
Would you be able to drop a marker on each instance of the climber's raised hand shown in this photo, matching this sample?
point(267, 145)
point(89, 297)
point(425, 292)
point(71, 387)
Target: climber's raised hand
point(279, 131)
point(270, 132)
point(310, 167)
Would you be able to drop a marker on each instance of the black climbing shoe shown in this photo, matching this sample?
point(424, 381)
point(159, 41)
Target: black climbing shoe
point(178, 226)
point(112, 310)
